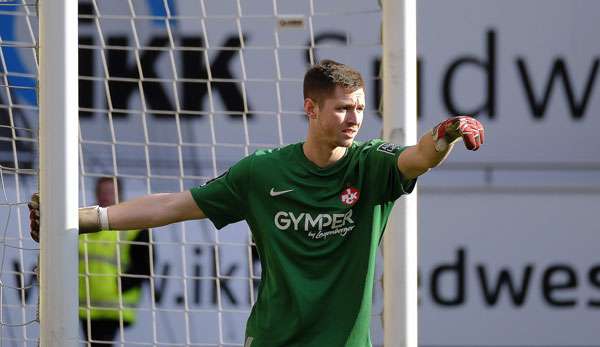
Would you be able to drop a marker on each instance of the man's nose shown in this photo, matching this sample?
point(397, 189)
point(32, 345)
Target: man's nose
point(352, 116)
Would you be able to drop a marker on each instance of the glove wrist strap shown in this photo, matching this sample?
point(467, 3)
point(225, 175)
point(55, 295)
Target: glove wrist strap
point(444, 134)
point(103, 215)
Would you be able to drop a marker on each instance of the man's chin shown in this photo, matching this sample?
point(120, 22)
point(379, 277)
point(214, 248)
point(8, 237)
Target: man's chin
point(345, 142)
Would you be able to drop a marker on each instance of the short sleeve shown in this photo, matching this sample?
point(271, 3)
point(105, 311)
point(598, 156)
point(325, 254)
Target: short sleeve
point(223, 199)
point(382, 160)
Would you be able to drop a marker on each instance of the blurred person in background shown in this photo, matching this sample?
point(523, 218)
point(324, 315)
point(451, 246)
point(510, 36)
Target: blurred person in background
point(102, 292)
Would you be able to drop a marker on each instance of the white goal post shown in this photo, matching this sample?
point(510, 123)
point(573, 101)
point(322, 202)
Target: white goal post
point(400, 126)
point(58, 175)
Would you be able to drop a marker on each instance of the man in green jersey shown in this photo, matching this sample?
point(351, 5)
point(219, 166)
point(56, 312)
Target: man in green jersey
point(316, 209)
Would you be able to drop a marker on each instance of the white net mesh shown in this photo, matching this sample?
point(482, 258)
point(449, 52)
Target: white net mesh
point(18, 129)
point(171, 95)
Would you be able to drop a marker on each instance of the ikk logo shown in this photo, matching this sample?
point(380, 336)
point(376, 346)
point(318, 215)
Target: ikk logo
point(349, 196)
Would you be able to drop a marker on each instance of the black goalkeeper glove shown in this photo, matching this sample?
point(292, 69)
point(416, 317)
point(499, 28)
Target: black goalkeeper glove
point(34, 217)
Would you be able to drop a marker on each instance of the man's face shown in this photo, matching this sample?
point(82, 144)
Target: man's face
point(106, 194)
point(338, 118)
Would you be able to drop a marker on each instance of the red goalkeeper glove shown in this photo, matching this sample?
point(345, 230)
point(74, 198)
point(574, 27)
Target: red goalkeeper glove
point(455, 128)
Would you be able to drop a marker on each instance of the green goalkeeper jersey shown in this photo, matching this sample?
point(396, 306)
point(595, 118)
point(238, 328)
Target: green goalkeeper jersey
point(317, 231)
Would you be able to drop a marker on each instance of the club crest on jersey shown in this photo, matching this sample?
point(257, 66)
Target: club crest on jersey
point(349, 196)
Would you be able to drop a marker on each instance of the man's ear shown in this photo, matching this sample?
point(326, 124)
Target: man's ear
point(311, 108)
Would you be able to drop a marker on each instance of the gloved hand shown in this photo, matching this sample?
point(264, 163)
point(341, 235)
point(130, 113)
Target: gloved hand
point(455, 128)
point(34, 217)
point(89, 218)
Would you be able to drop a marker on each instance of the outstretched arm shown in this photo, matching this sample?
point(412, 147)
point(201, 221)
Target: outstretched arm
point(153, 211)
point(149, 211)
point(436, 144)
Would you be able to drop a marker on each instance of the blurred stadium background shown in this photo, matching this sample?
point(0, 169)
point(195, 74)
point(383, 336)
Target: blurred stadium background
point(174, 92)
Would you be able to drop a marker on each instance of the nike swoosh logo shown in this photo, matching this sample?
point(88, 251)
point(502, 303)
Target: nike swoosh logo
point(274, 193)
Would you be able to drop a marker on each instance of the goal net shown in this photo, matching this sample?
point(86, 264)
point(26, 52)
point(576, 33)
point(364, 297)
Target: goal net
point(171, 94)
point(18, 158)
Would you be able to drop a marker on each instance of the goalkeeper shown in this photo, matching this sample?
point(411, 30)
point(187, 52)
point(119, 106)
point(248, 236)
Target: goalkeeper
point(317, 211)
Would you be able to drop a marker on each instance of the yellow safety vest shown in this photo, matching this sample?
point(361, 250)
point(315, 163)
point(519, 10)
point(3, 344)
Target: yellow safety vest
point(99, 294)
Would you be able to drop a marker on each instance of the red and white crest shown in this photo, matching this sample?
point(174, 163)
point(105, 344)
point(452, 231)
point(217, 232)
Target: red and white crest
point(349, 196)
